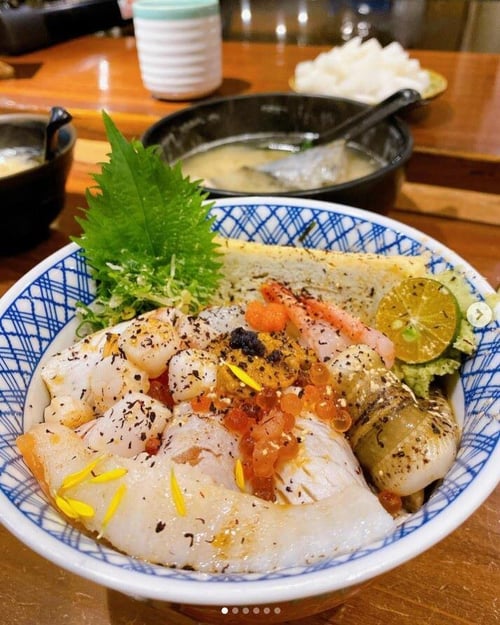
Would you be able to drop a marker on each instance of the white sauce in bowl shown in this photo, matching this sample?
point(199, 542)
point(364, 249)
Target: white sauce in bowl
point(15, 160)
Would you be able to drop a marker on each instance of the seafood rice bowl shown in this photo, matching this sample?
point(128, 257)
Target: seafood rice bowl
point(297, 542)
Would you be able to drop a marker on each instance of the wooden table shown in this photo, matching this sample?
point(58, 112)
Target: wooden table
point(451, 194)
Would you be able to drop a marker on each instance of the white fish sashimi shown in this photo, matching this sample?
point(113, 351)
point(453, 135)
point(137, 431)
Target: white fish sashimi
point(224, 319)
point(324, 465)
point(202, 441)
point(219, 530)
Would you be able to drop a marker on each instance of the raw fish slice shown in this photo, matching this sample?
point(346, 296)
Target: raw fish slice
point(324, 465)
point(202, 441)
point(203, 526)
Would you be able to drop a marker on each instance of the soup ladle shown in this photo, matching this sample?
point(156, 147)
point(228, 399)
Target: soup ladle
point(58, 118)
point(322, 163)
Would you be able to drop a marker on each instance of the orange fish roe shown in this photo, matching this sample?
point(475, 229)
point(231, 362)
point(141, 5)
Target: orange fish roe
point(267, 399)
point(202, 403)
point(312, 395)
point(266, 440)
point(319, 374)
point(322, 401)
point(158, 389)
point(292, 404)
point(238, 420)
point(266, 316)
point(265, 421)
point(342, 420)
point(326, 408)
point(390, 501)
point(208, 402)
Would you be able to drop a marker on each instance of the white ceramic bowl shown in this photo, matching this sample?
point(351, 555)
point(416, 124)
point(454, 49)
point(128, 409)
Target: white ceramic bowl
point(40, 310)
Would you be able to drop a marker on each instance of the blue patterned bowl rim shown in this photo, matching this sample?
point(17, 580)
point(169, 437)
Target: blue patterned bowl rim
point(40, 305)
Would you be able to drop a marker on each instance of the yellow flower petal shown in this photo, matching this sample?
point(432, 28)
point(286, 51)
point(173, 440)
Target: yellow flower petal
point(108, 476)
point(81, 508)
point(73, 479)
point(177, 496)
point(114, 503)
point(243, 376)
point(74, 508)
point(113, 507)
point(65, 507)
point(239, 475)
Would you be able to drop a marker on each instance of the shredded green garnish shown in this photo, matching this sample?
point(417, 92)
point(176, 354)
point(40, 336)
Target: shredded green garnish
point(147, 236)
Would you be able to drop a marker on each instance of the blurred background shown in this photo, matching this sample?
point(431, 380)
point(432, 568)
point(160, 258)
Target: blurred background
point(470, 25)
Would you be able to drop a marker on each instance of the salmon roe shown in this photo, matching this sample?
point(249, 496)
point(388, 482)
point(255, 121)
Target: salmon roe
point(292, 403)
point(342, 420)
point(319, 374)
point(266, 439)
point(266, 316)
point(390, 501)
point(159, 389)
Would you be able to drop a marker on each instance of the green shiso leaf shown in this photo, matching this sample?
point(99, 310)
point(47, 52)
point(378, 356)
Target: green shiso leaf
point(147, 236)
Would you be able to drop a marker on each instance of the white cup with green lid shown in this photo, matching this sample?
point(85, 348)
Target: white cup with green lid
point(179, 46)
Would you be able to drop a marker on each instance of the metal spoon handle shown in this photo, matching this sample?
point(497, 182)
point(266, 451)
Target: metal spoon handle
point(368, 118)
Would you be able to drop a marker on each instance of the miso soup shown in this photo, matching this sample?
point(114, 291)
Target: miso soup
point(229, 166)
point(15, 160)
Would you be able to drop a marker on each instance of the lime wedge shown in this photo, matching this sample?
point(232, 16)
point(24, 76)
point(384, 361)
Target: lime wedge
point(421, 317)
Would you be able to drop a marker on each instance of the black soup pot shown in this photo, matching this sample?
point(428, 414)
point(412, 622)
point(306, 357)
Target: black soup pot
point(252, 116)
point(30, 200)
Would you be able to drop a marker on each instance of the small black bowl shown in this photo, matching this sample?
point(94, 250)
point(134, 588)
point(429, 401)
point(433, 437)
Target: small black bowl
point(252, 116)
point(33, 198)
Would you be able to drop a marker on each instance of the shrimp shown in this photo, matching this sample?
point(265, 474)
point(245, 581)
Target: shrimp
point(403, 443)
point(317, 334)
point(173, 515)
point(353, 328)
point(327, 328)
point(67, 373)
point(94, 371)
